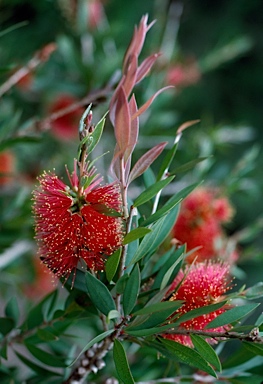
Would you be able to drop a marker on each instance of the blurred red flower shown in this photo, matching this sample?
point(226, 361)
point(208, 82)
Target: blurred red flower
point(65, 127)
point(7, 166)
point(199, 224)
point(202, 284)
point(183, 75)
point(74, 223)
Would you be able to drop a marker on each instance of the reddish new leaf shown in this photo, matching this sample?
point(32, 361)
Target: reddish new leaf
point(149, 102)
point(122, 121)
point(146, 66)
point(137, 41)
point(134, 128)
point(186, 125)
point(131, 75)
point(145, 161)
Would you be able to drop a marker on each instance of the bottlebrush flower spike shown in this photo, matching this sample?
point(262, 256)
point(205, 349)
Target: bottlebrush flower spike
point(199, 224)
point(73, 223)
point(202, 284)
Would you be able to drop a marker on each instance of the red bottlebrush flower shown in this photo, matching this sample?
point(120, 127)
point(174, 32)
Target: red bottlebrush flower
point(199, 223)
point(7, 166)
point(66, 127)
point(202, 284)
point(73, 223)
point(183, 75)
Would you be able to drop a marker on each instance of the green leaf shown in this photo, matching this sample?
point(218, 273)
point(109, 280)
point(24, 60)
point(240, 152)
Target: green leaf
point(18, 140)
point(45, 335)
point(259, 320)
point(12, 310)
point(114, 314)
point(170, 274)
point(160, 230)
point(187, 166)
point(45, 357)
point(232, 315)
point(206, 351)
point(173, 258)
point(51, 306)
point(42, 372)
point(99, 294)
point(167, 161)
point(152, 191)
point(96, 339)
point(254, 292)
point(131, 290)
point(121, 363)
point(189, 356)
point(158, 307)
point(172, 202)
point(135, 234)
point(78, 280)
point(6, 325)
point(149, 321)
point(96, 134)
point(112, 264)
point(255, 348)
point(199, 312)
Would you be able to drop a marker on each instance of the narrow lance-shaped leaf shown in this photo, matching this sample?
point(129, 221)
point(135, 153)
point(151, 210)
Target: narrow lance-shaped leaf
point(167, 161)
point(146, 105)
point(112, 264)
point(146, 66)
point(12, 310)
point(199, 312)
point(152, 191)
point(83, 120)
point(170, 275)
point(187, 124)
point(146, 323)
point(133, 134)
point(45, 357)
point(135, 234)
point(158, 307)
point(255, 348)
point(42, 372)
point(137, 41)
point(160, 231)
point(96, 339)
point(99, 294)
point(164, 268)
point(189, 356)
point(253, 292)
point(122, 121)
point(121, 363)
point(96, 134)
point(206, 351)
point(232, 315)
point(130, 75)
point(131, 290)
point(145, 161)
point(187, 166)
point(172, 202)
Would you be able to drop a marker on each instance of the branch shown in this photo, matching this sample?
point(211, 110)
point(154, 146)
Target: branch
point(39, 57)
point(252, 336)
point(45, 124)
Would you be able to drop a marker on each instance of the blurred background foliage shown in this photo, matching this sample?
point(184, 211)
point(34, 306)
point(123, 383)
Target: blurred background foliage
point(212, 52)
